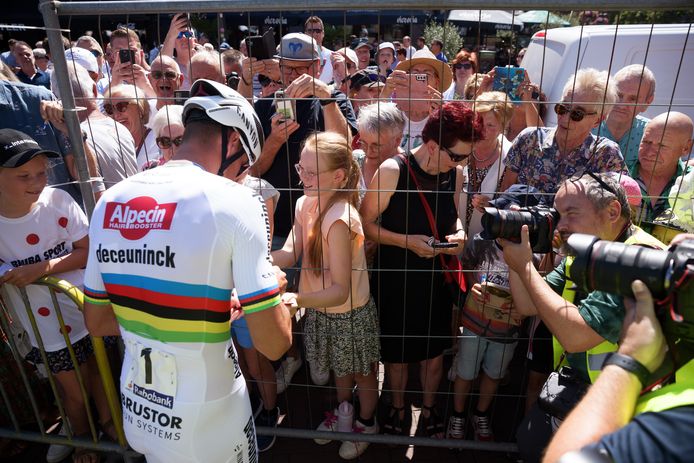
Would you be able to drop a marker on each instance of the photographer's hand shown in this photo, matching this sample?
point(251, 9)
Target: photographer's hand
point(518, 256)
point(642, 338)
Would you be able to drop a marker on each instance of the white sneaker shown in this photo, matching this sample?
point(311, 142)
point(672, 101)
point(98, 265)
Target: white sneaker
point(286, 372)
point(57, 452)
point(319, 378)
point(329, 424)
point(351, 450)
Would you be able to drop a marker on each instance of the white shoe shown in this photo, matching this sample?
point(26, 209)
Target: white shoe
point(57, 452)
point(329, 424)
point(319, 378)
point(286, 372)
point(351, 450)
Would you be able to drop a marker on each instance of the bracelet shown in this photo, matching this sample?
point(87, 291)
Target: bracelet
point(327, 101)
point(629, 364)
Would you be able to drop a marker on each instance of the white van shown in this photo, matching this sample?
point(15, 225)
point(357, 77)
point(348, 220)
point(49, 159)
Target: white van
point(554, 55)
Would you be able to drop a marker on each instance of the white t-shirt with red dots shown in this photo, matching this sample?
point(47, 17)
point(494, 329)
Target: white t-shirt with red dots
point(47, 232)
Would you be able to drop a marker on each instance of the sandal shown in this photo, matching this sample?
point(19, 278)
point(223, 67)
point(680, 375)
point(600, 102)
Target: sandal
point(431, 425)
point(393, 423)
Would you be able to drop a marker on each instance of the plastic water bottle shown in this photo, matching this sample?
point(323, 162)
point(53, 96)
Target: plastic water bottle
point(345, 417)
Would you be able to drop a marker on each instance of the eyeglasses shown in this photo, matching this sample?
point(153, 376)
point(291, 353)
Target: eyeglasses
point(314, 31)
point(96, 53)
point(576, 115)
point(466, 66)
point(186, 34)
point(121, 107)
point(165, 142)
point(168, 75)
point(307, 174)
point(455, 157)
point(299, 70)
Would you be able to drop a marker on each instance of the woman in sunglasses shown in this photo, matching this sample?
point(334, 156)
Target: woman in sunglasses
point(127, 105)
point(415, 305)
point(463, 66)
point(543, 157)
point(167, 127)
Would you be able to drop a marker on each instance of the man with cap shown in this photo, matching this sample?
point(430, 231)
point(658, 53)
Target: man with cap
point(84, 58)
point(414, 104)
point(385, 58)
point(362, 48)
point(344, 63)
point(167, 247)
point(364, 87)
point(316, 108)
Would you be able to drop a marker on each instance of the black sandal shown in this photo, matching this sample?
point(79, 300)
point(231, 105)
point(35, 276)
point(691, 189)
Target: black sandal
point(431, 425)
point(393, 423)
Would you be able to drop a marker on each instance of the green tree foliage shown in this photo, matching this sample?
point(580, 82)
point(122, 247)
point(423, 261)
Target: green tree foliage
point(447, 33)
point(653, 17)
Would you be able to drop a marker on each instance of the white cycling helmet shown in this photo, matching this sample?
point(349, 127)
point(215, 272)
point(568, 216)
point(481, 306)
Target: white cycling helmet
point(228, 108)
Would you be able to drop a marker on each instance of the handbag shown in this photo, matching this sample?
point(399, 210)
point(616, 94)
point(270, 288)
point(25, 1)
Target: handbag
point(561, 392)
point(451, 264)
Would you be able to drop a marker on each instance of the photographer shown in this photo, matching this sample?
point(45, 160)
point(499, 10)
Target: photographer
point(612, 423)
point(586, 327)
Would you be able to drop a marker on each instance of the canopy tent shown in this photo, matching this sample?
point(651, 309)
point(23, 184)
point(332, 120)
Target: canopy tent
point(540, 17)
point(486, 20)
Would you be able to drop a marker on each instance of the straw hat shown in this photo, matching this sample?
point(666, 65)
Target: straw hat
point(424, 56)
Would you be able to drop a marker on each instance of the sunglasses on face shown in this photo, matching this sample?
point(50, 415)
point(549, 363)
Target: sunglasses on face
point(576, 114)
point(165, 142)
point(455, 157)
point(314, 31)
point(121, 107)
point(96, 53)
point(186, 34)
point(169, 75)
point(466, 66)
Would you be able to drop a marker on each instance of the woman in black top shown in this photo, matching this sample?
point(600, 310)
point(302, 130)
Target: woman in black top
point(407, 282)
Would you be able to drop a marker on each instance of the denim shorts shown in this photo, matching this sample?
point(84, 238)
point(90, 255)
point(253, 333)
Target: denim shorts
point(475, 351)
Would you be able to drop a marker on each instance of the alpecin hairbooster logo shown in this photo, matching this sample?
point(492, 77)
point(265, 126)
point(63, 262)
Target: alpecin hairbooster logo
point(138, 216)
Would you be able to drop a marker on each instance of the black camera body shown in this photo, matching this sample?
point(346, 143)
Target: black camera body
point(502, 223)
point(669, 274)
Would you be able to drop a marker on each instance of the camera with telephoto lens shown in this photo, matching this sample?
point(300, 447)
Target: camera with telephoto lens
point(669, 274)
point(541, 221)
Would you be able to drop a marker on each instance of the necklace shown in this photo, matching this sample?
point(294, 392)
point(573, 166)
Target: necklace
point(495, 152)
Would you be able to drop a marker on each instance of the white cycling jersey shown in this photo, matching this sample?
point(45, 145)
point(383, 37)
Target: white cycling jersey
point(167, 246)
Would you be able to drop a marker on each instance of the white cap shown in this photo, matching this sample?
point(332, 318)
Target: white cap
point(386, 45)
point(349, 54)
point(83, 57)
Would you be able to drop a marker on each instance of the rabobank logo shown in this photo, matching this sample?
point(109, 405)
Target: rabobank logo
point(138, 216)
point(153, 396)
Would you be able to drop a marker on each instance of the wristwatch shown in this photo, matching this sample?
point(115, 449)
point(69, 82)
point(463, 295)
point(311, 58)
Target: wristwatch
point(629, 364)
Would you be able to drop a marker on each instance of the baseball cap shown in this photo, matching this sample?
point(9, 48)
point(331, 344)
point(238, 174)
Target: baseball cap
point(517, 195)
point(385, 45)
point(297, 46)
point(18, 148)
point(349, 54)
point(368, 77)
point(362, 42)
point(83, 57)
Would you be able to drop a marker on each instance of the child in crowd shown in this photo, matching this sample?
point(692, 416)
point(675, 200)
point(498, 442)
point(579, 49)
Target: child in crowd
point(341, 330)
point(489, 327)
point(44, 232)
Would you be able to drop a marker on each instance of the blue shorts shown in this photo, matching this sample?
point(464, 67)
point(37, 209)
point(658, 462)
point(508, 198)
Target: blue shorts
point(475, 351)
point(240, 331)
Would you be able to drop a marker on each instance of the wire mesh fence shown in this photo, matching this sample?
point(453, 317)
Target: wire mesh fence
point(432, 363)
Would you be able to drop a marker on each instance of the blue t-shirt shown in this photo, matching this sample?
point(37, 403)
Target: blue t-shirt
point(40, 78)
point(652, 437)
point(630, 141)
point(19, 110)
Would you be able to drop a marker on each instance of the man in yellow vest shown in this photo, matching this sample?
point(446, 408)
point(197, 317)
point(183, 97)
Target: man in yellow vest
point(614, 421)
point(586, 327)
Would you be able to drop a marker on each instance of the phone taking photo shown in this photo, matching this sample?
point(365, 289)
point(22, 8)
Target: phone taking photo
point(126, 55)
point(261, 47)
point(284, 106)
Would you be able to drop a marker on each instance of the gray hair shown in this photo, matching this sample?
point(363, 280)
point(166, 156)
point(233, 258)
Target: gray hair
point(83, 86)
point(638, 71)
point(378, 117)
point(600, 88)
point(170, 114)
point(599, 196)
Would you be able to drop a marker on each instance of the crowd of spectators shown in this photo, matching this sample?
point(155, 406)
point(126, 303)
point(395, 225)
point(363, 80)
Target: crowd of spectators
point(411, 133)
